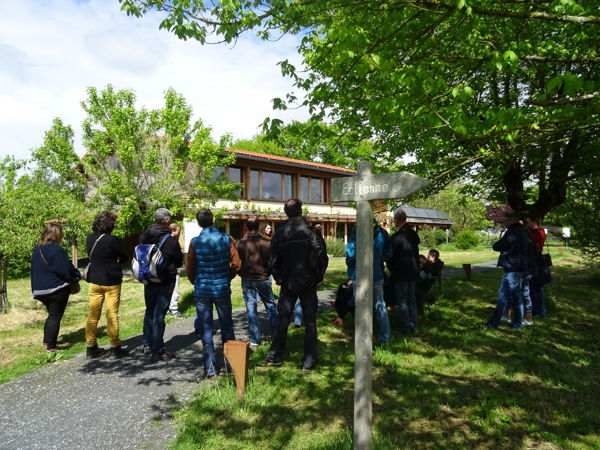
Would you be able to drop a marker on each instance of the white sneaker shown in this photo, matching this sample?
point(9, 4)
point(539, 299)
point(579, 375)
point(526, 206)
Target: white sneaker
point(527, 322)
point(505, 319)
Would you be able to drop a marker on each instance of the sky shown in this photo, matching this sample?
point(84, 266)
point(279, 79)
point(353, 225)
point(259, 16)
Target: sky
point(52, 50)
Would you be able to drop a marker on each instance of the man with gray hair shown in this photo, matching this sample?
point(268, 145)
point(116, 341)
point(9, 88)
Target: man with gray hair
point(404, 267)
point(158, 295)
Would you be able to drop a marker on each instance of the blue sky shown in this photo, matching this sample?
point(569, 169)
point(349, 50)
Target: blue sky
point(52, 50)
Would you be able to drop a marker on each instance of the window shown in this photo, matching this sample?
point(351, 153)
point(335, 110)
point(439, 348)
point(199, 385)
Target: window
point(217, 172)
point(312, 190)
point(254, 184)
point(266, 185)
point(235, 174)
point(288, 186)
point(271, 186)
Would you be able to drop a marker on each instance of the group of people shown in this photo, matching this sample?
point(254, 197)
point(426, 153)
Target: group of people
point(295, 256)
point(521, 295)
point(409, 274)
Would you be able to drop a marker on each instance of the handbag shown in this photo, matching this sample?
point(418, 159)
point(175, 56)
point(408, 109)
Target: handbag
point(74, 287)
point(86, 270)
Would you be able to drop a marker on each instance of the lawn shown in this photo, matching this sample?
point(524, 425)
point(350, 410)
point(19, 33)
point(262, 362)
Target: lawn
point(453, 385)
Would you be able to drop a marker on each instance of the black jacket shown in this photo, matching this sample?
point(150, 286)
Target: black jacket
point(298, 255)
point(171, 250)
point(51, 270)
point(514, 249)
point(106, 259)
point(404, 264)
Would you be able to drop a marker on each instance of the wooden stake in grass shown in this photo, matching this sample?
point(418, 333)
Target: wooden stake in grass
point(364, 188)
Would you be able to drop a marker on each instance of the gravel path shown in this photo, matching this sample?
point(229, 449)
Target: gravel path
point(106, 404)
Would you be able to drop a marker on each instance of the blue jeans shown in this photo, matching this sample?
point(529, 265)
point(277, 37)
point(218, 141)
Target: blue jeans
point(379, 308)
point(407, 305)
point(204, 309)
point(526, 294)
point(253, 290)
point(157, 299)
point(297, 316)
point(510, 293)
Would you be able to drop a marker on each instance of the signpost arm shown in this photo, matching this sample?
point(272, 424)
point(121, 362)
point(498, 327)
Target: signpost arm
point(363, 319)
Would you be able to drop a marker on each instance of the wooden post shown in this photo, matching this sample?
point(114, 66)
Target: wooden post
point(364, 188)
point(363, 321)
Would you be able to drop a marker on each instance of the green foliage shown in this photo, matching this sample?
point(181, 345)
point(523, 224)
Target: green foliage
point(440, 236)
point(465, 240)
point(27, 200)
point(313, 141)
point(581, 213)
point(458, 201)
point(503, 92)
point(138, 160)
point(335, 246)
point(427, 238)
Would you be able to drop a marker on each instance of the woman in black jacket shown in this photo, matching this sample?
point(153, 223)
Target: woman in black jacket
point(51, 274)
point(104, 276)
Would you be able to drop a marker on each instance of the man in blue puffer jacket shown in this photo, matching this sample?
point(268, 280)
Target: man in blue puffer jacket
point(212, 261)
point(513, 248)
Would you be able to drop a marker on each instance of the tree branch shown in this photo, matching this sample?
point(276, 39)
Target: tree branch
point(561, 101)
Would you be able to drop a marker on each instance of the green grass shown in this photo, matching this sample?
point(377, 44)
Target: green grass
point(453, 385)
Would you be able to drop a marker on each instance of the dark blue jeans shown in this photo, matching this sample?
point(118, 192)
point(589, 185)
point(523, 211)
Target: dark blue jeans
point(510, 293)
point(407, 305)
point(253, 290)
point(204, 309)
point(157, 297)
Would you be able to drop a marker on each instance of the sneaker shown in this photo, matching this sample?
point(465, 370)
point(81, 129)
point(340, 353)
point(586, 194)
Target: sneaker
point(505, 319)
point(309, 364)
point(118, 352)
point(51, 350)
point(177, 315)
point(273, 360)
point(146, 351)
point(253, 345)
point(338, 321)
point(94, 352)
point(527, 322)
point(166, 356)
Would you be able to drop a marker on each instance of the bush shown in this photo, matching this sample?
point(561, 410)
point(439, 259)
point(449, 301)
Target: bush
point(466, 240)
point(427, 238)
point(440, 237)
point(335, 246)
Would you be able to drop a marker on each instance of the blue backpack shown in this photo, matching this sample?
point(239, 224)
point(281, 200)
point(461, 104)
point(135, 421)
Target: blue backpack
point(148, 261)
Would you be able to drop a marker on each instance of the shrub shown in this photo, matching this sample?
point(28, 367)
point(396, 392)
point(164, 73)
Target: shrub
point(466, 239)
point(440, 237)
point(335, 246)
point(427, 238)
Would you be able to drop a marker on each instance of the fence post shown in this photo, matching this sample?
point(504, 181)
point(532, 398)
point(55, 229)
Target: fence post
point(3, 293)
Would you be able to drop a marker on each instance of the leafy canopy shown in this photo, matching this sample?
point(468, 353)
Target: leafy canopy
point(505, 93)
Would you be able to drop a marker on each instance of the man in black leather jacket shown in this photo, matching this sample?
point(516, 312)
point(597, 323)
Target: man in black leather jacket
point(298, 260)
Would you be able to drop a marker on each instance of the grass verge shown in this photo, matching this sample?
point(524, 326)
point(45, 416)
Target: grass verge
point(453, 385)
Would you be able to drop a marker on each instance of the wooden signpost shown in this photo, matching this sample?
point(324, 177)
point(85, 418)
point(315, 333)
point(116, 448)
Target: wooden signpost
point(364, 188)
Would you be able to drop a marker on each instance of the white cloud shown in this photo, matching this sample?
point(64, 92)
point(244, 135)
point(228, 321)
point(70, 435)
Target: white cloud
point(52, 50)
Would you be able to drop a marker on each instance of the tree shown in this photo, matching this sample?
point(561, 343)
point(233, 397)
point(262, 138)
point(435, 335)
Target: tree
point(138, 160)
point(580, 212)
point(28, 198)
point(313, 141)
point(467, 212)
point(503, 92)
